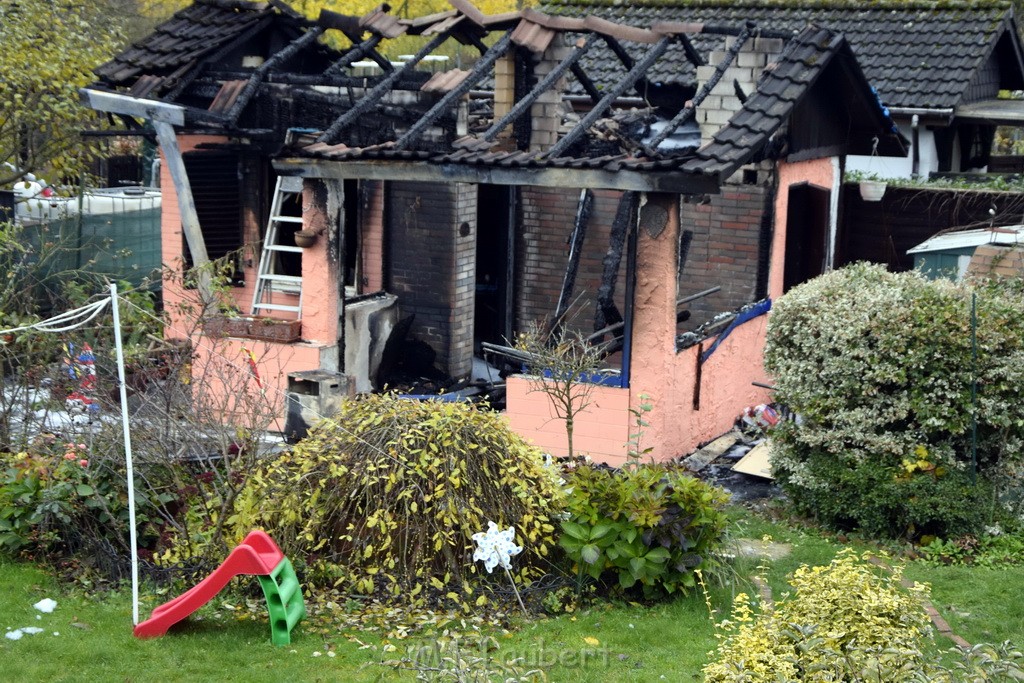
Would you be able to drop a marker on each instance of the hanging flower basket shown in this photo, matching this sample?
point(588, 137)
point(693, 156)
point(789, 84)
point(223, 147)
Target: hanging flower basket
point(872, 190)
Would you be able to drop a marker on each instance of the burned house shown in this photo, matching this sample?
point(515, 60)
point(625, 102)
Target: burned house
point(448, 204)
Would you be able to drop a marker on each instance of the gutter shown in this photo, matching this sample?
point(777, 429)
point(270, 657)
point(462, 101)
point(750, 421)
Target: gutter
point(942, 116)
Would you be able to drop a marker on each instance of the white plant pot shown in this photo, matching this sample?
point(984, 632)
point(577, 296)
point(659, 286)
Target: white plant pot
point(872, 190)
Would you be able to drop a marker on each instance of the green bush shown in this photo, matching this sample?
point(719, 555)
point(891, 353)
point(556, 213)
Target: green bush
point(650, 526)
point(879, 367)
point(384, 498)
point(60, 498)
point(847, 621)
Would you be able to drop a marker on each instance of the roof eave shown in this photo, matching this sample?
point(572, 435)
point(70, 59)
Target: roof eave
point(425, 171)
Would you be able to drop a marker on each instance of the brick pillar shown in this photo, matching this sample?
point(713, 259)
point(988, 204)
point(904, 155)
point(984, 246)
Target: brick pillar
point(431, 250)
point(371, 238)
point(547, 110)
point(721, 103)
point(460, 351)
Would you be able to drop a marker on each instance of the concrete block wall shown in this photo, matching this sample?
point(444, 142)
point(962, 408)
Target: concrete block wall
point(504, 91)
point(724, 250)
point(721, 103)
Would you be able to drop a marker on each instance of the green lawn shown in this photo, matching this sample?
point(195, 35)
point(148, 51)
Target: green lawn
point(606, 643)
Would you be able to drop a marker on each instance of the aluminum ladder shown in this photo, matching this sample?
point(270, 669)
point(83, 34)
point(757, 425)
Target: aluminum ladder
point(268, 280)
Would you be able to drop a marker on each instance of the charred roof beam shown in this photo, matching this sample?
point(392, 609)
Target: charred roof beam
point(520, 107)
point(359, 51)
point(378, 91)
point(279, 58)
point(627, 61)
point(479, 72)
point(635, 74)
point(588, 85)
point(688, 112)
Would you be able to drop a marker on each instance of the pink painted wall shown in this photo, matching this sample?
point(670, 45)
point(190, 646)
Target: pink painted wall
point(821, 172)
point(669, 378)
point(601, 430)
point(220, 368)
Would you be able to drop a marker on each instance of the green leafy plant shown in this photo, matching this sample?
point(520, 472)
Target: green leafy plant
point(383, 499)
point(59, 498)
point(648, 527)
point(879, 367)
point(849, 620)
point(635, 451)
point(1001, 550)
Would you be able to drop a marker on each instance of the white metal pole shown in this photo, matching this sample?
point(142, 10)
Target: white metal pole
point(127, 453)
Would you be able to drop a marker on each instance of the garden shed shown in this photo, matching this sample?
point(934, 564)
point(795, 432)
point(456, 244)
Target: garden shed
point(951, 254)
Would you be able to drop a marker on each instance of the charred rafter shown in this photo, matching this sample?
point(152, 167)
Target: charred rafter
point(579, 233)
point(380, 90)
point(479, 72)
point(524, 103)
point(354, 55)
point(625, 215)
point(279, 58)
point(687, 113)
point(637, 72)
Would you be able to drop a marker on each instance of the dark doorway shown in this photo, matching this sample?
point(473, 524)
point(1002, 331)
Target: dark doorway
point(494, 291)
point(806, 234)
point(353, 199)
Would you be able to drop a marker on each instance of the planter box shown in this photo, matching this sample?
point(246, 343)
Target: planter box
point(255, 327)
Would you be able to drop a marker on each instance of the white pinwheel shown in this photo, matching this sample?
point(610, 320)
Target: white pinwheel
point(496, 547)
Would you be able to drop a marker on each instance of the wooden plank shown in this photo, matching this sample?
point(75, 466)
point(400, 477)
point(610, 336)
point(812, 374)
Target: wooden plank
point(643, 181)
point(115, 103)
point(756, 462)
point(186, 205)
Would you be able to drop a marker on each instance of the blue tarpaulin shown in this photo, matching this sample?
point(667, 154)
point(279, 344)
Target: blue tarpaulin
point(755, 310)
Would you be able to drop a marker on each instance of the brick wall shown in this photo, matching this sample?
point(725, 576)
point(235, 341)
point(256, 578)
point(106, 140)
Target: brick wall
point(542, 247)
point(431, 266)
point(723, 251)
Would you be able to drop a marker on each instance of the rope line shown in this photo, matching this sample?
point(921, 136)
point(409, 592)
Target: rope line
point(91, 310)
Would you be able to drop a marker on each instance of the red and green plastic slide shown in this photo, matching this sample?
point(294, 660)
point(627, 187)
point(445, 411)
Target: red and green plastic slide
point(257, 555)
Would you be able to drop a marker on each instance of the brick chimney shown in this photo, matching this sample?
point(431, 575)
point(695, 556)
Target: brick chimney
point(720, 105)
point(546, 113)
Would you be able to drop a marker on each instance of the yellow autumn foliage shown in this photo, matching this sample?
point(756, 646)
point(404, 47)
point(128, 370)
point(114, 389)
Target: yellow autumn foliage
point(384, 499)
point(846, 621)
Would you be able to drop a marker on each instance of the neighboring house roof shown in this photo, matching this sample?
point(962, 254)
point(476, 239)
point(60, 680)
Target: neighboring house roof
point(935, 54)
point(179, 44)
point(222, 86)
